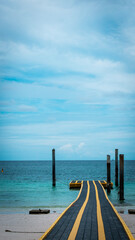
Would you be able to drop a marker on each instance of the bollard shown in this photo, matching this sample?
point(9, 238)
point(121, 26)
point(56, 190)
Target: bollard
point(53, 168)
point(108, 174)
point(116, 167)
point(121, 176)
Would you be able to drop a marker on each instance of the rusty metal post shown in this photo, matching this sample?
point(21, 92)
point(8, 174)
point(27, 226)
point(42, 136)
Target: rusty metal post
point(108, 174)
point(121, 176)
point(116, 167)
point(53, 168)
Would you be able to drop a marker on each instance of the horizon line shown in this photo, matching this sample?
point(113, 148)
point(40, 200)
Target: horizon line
point(66, 160)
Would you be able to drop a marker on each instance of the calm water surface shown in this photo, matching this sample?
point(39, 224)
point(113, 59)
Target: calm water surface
point(28, 184)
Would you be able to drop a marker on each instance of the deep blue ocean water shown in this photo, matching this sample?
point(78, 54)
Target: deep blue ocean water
point(28, 184)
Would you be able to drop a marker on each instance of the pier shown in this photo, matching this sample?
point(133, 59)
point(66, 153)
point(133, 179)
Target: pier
point(90, 216)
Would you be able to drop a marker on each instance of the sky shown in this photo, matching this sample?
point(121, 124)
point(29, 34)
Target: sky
point(67, 79)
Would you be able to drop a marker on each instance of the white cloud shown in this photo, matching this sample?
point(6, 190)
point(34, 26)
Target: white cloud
point(26, 108)
point(67, 147)
point(49, 36)
point(72, 148)
point(81, 145)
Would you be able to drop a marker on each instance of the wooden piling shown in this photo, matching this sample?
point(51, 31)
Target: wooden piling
point(116, 167)
point(121, 176)
point(108, 174)
point(53, 168)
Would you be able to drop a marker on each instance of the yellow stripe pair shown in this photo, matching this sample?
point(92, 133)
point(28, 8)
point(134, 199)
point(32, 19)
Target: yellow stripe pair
point(101, 232)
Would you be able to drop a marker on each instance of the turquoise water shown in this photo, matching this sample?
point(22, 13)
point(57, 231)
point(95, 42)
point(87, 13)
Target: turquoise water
point(28, 184)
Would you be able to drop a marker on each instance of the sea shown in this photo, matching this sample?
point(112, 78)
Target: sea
point(26, 185)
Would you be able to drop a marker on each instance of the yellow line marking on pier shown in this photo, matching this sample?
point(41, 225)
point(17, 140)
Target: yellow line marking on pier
point(76, 225)
point(101, 231)
point(53, 225)
point(129, 234)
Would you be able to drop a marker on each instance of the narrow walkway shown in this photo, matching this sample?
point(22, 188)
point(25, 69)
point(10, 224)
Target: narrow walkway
point(90, 216)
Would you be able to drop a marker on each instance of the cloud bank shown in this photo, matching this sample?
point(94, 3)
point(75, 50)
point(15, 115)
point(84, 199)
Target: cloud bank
point(67, 78)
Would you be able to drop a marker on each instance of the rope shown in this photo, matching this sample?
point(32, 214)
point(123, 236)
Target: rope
point(20, 231)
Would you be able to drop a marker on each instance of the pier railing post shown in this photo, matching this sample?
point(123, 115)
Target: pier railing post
point(108, 174)
point(116, 167)
point(53, 168)
point(121, 176)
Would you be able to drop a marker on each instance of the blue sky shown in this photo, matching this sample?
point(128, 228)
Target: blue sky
point(67, 79)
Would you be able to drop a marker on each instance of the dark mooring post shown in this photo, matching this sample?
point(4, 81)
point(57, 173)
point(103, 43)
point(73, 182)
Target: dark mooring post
point(108, 174)
point(116, 167)
point(121, 176)
point(53, 168)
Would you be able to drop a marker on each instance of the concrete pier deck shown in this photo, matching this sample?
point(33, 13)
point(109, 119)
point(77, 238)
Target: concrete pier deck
point(90, 216)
